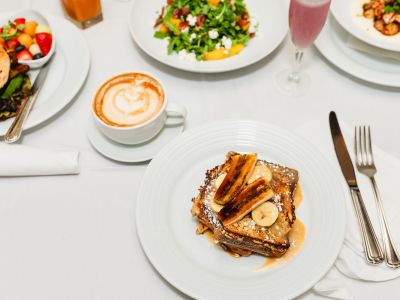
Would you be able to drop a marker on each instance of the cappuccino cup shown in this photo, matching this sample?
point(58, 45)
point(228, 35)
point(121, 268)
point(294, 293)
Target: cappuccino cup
point(132, 108)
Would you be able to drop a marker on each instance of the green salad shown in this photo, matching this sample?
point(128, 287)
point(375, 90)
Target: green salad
point(205, 29)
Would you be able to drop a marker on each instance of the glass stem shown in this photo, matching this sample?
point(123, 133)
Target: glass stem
point(295, 74)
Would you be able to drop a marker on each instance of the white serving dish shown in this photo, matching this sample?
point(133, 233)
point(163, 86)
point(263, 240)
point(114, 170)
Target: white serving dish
point(33, 15)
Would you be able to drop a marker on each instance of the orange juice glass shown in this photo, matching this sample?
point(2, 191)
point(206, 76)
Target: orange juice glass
point(83, 13)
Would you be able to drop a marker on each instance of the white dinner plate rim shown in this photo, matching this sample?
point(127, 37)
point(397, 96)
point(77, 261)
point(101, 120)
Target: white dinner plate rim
point(328, 48)
point(208, 70)
point(340, 228)
point(40, 115)
point(352, 28)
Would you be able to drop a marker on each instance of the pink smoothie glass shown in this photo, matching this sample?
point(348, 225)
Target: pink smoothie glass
point(306, 20)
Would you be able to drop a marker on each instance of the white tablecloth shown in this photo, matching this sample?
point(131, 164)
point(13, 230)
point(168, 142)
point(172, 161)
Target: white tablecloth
point(74, 237)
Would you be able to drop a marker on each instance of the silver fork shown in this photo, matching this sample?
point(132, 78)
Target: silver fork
point(366, 165)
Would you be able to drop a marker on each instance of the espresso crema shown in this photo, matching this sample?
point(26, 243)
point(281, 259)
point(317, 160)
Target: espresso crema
point(128, 100)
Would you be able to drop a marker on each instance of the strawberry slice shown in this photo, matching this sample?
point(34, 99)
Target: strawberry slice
point(19, 21)
point(44, 40)
point(12, 43)
point(24, 55)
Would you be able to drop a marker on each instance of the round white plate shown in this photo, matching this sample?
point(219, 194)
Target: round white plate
point(349, 14)
point(272, 15)
point(67, 74)
point(379, 70)
point(196, 267)
point(131, 153)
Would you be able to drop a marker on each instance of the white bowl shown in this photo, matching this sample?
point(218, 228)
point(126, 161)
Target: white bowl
point(33, 15)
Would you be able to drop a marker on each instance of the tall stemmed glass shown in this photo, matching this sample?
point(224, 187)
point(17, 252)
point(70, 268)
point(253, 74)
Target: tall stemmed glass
point(306, 20)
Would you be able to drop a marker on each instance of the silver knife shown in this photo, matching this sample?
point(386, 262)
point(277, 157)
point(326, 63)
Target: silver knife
point(373, 250)
point(14, 132)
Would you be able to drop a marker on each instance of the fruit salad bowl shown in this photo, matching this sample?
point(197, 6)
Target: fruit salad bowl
point(29, 34)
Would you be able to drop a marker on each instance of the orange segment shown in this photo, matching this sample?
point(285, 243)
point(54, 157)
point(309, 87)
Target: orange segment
point(175, 21)
point(163, 28)
point(223, 53)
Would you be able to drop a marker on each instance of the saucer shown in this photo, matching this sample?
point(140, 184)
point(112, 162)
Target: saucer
point(131, 153)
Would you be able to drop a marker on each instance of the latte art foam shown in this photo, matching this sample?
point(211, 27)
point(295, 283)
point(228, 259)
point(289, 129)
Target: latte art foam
point(129, 100)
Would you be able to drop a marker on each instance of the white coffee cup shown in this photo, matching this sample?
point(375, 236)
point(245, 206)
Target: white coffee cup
point(170, 114)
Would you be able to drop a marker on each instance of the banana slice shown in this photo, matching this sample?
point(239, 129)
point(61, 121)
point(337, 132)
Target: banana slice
point(265, 214)
point(249, 198)
point(219, 180)
point(215, 206)
point(260, 170)
point(241, 166)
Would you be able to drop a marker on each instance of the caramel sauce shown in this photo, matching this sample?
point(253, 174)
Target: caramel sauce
point(296, 238)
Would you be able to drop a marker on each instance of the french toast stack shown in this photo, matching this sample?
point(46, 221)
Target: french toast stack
point(248, 206)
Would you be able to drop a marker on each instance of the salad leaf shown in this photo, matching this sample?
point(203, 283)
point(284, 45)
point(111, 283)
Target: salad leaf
point(12, 86)
point(392, 7)
point(4, 114)
point(160, 35)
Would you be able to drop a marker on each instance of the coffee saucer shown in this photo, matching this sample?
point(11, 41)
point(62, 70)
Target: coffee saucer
point(131, 153)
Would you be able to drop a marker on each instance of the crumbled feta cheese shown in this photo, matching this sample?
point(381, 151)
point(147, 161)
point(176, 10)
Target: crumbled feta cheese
point(213, 34)
point(184, 55)
point(253, 25)
point(218, 45)
point(192, 36)
point(191, 20)
point(191, 56)
point(227, 42)
point(185, 30)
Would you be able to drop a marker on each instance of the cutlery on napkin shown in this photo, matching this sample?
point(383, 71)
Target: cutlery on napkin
point(351, 261)
point(21, 160)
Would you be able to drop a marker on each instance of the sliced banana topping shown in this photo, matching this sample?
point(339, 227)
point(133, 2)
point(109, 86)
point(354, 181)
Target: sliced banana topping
point(265, 214)
point(215, 206)
point(260, 170)
point(241, 166)
point(249, 198)
point(219, 180)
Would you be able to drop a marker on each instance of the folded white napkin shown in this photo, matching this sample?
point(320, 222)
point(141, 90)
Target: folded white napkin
point(331, 286)
point(359, 45)
point(21, 160)
point(351, 261)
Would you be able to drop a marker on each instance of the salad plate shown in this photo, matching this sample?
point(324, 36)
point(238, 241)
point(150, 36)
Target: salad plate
point(332, 44)
point(69, 68)
point(163, 214)
point(270, 15)
point(349, 15)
